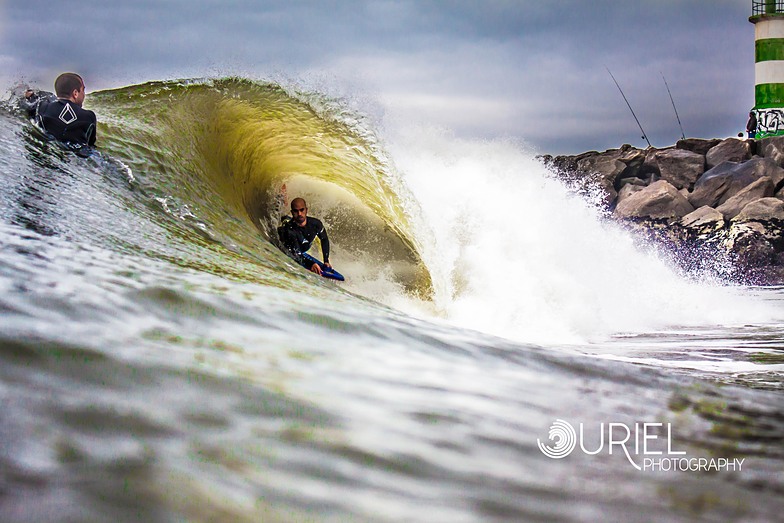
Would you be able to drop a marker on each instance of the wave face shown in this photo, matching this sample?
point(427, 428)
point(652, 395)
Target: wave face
point(161, 359)
point(235, 152)
point(476, 234)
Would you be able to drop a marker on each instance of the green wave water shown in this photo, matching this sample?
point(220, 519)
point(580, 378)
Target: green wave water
point(234, 149)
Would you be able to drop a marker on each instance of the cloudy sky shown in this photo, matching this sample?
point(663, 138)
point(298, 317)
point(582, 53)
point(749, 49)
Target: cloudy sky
point(523, 69)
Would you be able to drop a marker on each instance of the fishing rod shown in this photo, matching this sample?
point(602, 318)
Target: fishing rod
point(683, 135)
point(630, 107)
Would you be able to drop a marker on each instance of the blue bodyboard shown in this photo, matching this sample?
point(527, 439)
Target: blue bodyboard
point(326, 272)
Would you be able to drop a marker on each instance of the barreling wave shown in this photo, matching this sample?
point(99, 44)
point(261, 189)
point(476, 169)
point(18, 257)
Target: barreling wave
point(234, 149)
point(160, 359)
point(209, 160)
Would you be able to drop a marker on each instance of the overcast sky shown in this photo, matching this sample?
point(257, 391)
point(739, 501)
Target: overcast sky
point(526, 69)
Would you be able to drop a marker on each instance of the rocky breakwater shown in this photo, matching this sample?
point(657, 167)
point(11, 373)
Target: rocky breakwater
point(716, 205)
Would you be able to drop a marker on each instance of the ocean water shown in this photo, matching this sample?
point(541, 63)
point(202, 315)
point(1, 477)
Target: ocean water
point(161, 360)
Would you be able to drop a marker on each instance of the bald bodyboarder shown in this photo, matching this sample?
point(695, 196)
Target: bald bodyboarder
point(297, 234)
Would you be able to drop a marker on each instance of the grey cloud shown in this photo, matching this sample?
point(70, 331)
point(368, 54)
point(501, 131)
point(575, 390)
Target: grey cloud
point(492, 68)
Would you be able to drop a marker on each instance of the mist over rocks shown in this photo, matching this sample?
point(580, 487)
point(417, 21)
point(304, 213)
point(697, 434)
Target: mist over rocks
point(716, 206)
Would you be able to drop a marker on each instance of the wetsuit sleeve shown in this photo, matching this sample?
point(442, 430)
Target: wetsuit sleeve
point(91, 129)
point(324, 239)
point(30, 105)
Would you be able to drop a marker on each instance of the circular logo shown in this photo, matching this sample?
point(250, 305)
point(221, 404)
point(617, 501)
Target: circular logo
point(565, 438)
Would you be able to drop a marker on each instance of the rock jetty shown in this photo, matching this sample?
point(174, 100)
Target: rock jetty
point(716, 206)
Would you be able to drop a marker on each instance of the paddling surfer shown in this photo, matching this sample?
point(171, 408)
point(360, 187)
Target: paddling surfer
point(298, 232)
point(62, 115)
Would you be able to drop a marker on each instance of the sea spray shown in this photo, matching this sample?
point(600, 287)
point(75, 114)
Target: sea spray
point(511, 251)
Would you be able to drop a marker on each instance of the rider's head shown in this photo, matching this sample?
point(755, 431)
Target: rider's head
point(299, 211)
point(70, 86)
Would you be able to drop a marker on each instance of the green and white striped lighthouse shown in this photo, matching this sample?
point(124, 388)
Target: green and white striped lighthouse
point(768, 19)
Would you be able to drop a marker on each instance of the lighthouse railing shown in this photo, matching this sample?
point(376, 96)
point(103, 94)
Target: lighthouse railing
point(767, 7)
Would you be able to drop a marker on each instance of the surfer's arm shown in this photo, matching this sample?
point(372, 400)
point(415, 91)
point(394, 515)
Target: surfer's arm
point(90, 133)
point(324, 239)
point(29, 104)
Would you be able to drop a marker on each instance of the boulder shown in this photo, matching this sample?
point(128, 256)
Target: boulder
point(660, 200)
point(603, 169)
point(633, 158)
point(772, 148)
point(762, 210)
point(566, 165)
point(632, 181)
point(753, 253)
point(697, 145)
point(704, 220)
point(605, 165)
point(650, 167)
point(711, 186)
point(765, 217)
point(729, 150)
point(761, 188)
point(724, 181)
point(560, 165)
point(680, 167)
point(629, 189)
point(629, 154)
point(760, 167)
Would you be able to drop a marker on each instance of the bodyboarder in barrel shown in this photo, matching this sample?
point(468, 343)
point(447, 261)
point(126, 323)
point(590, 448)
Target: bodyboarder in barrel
point(297, 233)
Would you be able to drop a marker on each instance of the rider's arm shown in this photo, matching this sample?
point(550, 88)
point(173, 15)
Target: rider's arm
point(324, 239)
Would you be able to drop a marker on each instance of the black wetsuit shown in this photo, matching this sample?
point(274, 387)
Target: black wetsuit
point(751, 126)
point(297, 240)
point(63, 119)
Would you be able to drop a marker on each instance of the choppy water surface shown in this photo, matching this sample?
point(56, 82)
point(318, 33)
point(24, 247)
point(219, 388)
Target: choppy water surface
point(160, 360)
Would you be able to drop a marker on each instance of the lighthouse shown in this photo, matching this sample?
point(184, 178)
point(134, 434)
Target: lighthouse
point(768, 19)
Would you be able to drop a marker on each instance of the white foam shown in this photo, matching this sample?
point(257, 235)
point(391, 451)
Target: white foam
point(513, 253)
